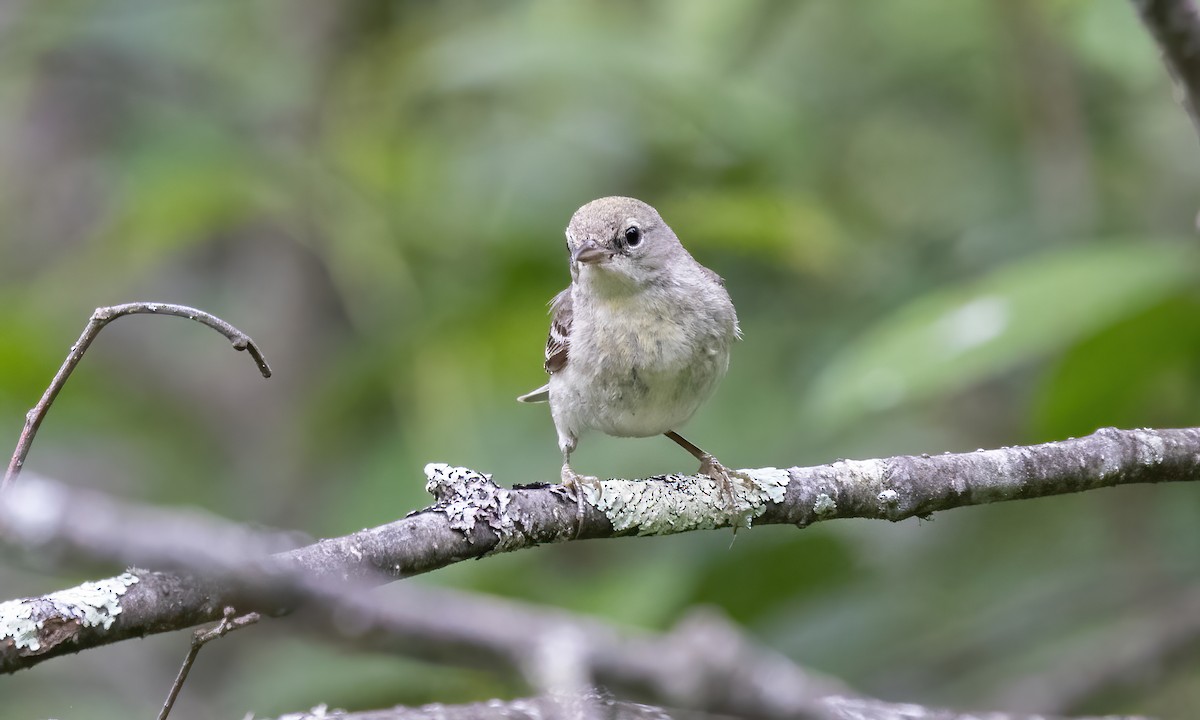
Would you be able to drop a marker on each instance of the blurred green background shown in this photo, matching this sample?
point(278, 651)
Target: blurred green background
point(946, 225)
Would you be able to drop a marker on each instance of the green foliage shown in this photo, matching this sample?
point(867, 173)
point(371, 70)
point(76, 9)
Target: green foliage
point(947, 340)
point(945, 226)
point(1140, 372)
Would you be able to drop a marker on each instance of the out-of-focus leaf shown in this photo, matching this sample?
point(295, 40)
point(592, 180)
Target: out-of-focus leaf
point(756, 582)
point(950, 338)
point(295, 674)
point(26, 360)
point(1140, 372)
point(377, 192)
point(1127, 57)
point(792, 229)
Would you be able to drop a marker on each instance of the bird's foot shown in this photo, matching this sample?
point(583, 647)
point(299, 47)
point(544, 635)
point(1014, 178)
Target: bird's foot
point(728, 479)
point(573, 483)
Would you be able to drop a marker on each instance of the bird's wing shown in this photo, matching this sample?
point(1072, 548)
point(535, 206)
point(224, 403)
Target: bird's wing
point(559, 340)
point(556, 344)
point(712, 275)
point(737, 328)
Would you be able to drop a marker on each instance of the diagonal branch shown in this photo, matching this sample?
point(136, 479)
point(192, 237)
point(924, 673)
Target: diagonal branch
point(473, 518)
point(1175, 26)
point(101, 317)
point(705, 664)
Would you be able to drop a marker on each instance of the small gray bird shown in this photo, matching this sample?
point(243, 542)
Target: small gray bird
point(640, 338)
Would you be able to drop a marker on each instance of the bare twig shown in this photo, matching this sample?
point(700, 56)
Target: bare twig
point(100, 317)
point(1175, 26)
point(200, 638)
point(474, 517)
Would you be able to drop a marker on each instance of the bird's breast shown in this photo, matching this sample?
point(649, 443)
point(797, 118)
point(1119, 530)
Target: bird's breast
point(649, 365)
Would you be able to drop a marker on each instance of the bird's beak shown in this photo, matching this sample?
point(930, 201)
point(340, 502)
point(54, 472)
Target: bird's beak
point(589, 253)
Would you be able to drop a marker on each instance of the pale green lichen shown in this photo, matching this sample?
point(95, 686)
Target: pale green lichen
point(90, 605)
point(859, 472)
point(467, 497)
point(677, 503)
point(825, 506)
point(1150, 449)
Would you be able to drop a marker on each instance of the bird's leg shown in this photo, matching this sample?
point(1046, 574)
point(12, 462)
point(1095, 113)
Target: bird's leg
point(710, 466)
point(572, 481)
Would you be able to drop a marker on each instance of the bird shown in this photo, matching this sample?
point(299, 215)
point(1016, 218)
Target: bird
point(640, 338)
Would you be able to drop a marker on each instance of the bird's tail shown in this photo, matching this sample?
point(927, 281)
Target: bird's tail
point(542, 394)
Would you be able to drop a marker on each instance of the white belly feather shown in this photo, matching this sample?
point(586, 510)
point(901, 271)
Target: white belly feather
point(637, 368)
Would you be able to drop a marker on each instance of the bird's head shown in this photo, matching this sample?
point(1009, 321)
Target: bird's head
point(620, 242)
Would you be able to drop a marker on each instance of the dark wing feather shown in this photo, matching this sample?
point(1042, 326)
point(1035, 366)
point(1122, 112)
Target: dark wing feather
point(559, 340)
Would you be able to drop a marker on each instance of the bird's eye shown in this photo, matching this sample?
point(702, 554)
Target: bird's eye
point(633, 236)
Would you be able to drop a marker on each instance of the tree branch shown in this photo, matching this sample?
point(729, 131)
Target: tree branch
point(706, 661)
point(1175, 26)
point(705, 664)
point(101, 317)
point(546, 707)
point(598, 707)
point(473, 517)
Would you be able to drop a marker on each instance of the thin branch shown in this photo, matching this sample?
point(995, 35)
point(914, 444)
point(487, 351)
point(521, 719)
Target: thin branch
point(1175, 26)
point(200, 638)
point(474, 518)
point(101, 317)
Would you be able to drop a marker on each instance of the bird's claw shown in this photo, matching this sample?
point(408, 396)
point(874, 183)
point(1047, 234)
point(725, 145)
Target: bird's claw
point(710, 466)
point(572, 484)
